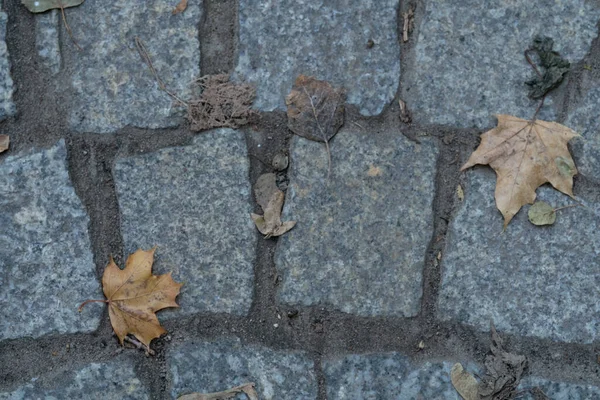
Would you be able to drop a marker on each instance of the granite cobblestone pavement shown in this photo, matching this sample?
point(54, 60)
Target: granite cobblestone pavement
point(388, 278)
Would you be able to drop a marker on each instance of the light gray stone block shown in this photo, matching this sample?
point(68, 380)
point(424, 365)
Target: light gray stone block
point(531, 281)
point(386, 376)
point(216, 366)
point(46, 264)
point(585, 120)
point(361, 235)
point(193, 202)
point(112, 85)
point(469, 64)
point(280, 40)
point(96, 381)
point(47, 41)
point(7, 106)
point(393, 376)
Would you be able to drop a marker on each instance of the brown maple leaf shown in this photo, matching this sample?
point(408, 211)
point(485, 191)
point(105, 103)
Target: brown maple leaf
point(134, 295)
point(525, 155)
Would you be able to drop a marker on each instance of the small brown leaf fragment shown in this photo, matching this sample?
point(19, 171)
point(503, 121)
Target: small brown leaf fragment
point(4, 142)
point(270, 199)
point(315, 109)
point(247, 389)
point(409, 18)
point(465, 384)
point(179, 8)
point(134, 295)
point(405, 114)
point(525, 155)
point(541, 213)
point(38, 6)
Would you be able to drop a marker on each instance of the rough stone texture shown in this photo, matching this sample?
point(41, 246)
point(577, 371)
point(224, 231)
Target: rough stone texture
point(280, 40)
point(7, 107)
point(46, 265)
point(386, 376)
point(560, 390)
point(585, 120)
point(469, 62)
point(47, 41)
point(114, 380)
point(361, 236)
point(212, 367)
point(531, 281)
point(393, 376)
point(113, 87)
point(193, 202)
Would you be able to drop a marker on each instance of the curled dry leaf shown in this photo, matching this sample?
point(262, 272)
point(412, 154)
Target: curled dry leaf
point(134, 295)
point(465, 384)
point(38, 6)
point(179, 8)
point(246, 388)
point(504, 371)
point(4, 142)
point(270, 199)
point(315, 109)
point(525, 155)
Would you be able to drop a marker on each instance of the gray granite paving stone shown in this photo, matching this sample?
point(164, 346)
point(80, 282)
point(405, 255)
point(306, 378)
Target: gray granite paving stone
point(531, 281)
point(386, 376)
point(469, 62)
point(112, 85)
point(7, 107)
point(46, 264)
point(392, 376)
point(47, 40)
point(361, 236)
point(585, 120)
point(280, 40)
point(215, 366)
point(96, 381)
point(193, 202)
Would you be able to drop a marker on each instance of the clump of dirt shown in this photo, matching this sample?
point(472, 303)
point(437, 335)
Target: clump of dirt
point(220, 103)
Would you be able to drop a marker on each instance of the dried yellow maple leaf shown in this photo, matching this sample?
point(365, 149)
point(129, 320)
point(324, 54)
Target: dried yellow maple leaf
point(134, 295)
point(525, 155)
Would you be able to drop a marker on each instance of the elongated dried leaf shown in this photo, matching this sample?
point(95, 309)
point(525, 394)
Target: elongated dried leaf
point(315, 109)
point(465, 384)
point(525, 155)
point(541, 213)
point(4, 142)
point(270, 199)
point(180, 7)
point(134, 295)
point(247, 389)
point(38, 6)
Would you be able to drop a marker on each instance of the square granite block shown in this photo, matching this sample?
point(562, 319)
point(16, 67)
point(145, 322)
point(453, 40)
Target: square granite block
point(393, 376)
point(468, 62)
point(112, 85)
point(360, 241)
point(278, 40)
point(46, 264)
point(216, 366)
point(193, 202)
point(529, 280)
point(7, 106)
point(585, 120)
point(96, 381)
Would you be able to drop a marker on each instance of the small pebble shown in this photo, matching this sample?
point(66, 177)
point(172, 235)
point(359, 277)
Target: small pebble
point(280, 162)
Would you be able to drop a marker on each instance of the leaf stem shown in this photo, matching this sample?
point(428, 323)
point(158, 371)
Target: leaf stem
point(90, 301)
point(569, 206)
